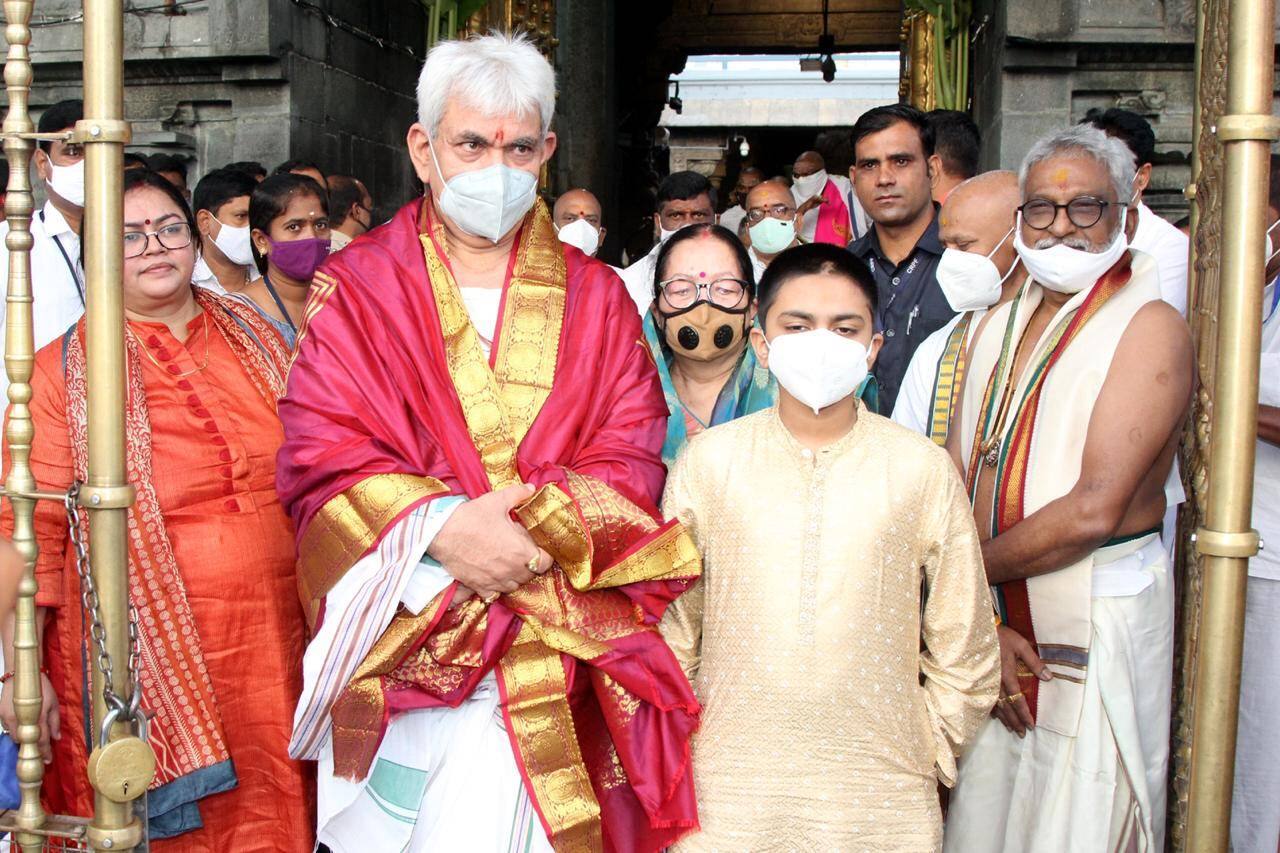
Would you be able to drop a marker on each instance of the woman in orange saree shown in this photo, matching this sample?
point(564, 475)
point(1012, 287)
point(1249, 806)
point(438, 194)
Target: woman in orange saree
point(211, 559)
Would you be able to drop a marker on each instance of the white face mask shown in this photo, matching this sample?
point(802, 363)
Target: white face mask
point(810, 185)
point(68, 182)
point(1067, 270)
point(487, 202)
point(234, 243)
point(664, 235)
point(582, 234)
point(819, 368)
point(971, 281)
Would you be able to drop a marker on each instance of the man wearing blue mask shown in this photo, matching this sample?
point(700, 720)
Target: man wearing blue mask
point(818, 614)
point(473, 429)
point(1070, 416)
point(772, 220)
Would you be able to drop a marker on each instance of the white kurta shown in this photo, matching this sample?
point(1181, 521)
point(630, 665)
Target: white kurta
point(443, 779)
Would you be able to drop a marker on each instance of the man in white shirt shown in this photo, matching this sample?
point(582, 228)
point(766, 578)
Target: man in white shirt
point(979, 270)
point(748, 179)
point(825, 199)
point(1255, 807)
point(684, 198)
point(57, 276)
point(221, 203)
point(1150, 233)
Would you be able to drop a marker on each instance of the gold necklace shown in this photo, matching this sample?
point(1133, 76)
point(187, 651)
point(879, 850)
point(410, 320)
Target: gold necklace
point(153, 360)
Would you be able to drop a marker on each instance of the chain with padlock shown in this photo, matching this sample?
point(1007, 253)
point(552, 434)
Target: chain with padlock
point(122, 767)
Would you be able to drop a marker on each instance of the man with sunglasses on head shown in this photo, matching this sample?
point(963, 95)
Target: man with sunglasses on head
point(1067, 426)
point(684, 198)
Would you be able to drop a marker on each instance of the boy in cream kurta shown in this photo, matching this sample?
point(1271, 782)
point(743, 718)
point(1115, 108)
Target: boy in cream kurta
point(841, 563)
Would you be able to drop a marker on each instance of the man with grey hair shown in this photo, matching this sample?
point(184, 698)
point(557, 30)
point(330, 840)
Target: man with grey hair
point(472, 437)
point(1069, 420)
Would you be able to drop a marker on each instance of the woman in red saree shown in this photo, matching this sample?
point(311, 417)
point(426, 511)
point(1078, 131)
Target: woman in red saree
point(210, 552)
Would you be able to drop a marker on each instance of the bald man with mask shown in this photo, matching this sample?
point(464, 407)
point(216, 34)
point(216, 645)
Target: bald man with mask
point(771, 220)
point(979, 269)
point(576, 218)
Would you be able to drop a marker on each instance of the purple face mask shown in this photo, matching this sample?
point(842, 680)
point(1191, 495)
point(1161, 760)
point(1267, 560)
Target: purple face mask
point(298, 259)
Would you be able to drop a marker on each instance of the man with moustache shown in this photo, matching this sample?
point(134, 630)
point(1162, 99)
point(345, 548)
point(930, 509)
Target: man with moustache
point(1068, 423)
point(894, 170)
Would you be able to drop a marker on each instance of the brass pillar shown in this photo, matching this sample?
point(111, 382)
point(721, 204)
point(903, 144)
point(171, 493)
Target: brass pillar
point(1226, 541)
point(106, 494)
point(18, 357)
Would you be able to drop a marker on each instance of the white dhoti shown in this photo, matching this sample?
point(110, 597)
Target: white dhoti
point(1255, 806)
point(443, 779)
point(1104, 789)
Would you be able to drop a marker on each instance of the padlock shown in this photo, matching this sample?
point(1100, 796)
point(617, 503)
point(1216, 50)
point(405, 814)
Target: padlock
point(121, 769)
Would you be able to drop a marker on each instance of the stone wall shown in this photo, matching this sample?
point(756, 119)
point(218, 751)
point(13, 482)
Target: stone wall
point(262, 80)
point(1041, 65)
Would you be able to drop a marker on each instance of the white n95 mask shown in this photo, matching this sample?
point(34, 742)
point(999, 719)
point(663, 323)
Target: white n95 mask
point(487, 202)
point(971, 281)
point(1067, 270)
point(581, 234)
point(819, 368)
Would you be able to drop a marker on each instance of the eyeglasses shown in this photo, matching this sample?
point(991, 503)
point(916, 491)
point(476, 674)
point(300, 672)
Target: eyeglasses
point(724, 292)
point(175, 236)
point(1083, 211)
point(777, 211)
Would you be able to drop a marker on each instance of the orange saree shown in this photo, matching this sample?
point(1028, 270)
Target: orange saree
point(213, 437)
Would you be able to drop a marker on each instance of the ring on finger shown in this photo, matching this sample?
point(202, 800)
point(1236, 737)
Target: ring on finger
point(532, 565)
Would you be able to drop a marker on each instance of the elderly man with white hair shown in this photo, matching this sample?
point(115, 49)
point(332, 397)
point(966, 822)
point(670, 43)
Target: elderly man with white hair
point(473, 428)
point(1069, 420)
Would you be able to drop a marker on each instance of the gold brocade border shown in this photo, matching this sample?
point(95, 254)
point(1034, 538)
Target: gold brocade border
point(500, 404)
point(532, 320)
point(350, 523)
point(542, 733)
point(323, 286)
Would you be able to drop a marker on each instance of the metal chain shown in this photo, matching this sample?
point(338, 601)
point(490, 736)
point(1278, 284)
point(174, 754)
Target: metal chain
point(97, 631)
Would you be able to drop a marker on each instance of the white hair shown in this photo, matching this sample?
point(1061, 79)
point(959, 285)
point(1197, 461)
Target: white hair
point(497, 74)
point(1090, 141)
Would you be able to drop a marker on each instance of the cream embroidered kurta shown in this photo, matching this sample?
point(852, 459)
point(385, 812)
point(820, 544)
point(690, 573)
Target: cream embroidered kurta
point(803, 639)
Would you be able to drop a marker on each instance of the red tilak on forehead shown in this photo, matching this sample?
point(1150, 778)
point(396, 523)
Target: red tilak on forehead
point(146, 222)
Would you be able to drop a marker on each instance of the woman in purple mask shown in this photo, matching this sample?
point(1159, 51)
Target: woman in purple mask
point(289, 222)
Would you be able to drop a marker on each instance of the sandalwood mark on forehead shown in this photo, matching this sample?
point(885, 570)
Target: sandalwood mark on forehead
point(1060, 176)
point(944, 221)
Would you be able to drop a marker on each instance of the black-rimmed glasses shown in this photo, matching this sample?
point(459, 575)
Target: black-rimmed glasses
point(682, 292)
point(1084, 212)
point(175, 236)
